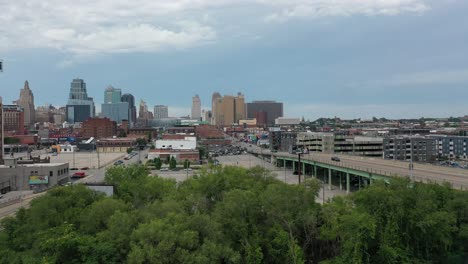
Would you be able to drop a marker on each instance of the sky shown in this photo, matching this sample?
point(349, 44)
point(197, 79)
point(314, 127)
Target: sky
point(321, 58)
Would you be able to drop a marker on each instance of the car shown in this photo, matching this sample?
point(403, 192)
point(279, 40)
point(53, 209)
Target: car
point(85, 168)
point(55, 154)
point(74, 169)
point(335, 158)
point(1, 196)
point(79, 175)
point(119, 162)
point(164, 169)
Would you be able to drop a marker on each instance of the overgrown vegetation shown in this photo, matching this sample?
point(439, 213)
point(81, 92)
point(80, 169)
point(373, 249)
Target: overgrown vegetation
point(234, 215)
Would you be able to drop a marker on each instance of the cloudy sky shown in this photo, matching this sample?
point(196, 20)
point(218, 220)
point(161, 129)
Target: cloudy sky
point(347, 58)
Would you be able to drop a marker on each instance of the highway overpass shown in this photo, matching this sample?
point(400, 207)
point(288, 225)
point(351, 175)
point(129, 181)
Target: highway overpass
point(354, 171)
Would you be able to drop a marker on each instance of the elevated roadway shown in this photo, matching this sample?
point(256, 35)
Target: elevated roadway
point(369, 168)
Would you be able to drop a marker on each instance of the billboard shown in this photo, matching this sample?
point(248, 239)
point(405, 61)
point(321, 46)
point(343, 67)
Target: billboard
point(38, 180)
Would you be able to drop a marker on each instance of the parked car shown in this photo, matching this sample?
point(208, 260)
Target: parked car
point(335, 158)
point(79, 175)
point(119, 162)
point(85, 168)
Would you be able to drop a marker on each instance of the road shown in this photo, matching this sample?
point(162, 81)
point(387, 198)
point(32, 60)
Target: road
point(22, 199)
point(421, 172)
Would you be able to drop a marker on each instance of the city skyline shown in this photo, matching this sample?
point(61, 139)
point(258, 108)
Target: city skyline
point(345, 58)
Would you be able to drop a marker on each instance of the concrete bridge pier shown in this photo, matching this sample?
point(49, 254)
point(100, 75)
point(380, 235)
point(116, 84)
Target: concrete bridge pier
point(273, 160)
point(341, 185)
point(329, 179)
point(347, 183)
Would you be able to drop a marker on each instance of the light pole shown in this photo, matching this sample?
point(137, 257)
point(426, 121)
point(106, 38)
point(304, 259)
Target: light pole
point(299, 167)
point(97, 152)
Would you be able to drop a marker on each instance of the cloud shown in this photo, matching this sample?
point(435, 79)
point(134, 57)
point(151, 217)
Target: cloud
point(120, 26)
point(322, 8)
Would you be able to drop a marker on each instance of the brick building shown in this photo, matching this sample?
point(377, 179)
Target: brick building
point(13, 119)
point(99, 128)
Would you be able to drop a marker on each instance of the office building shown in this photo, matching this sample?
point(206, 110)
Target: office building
point(112, 95)
point(228, 110)
point(416, 148)
point(99, 128)
point(161, 112)
point(196, 108)
point(115, 111)
point(206, 116)
point(132, 116)
point(144, 113)
point(337, 143)
point(26, 101)
point(79, 107)
point(13, 119)
point(265, 111)
point(44, 114)
point(450, 147)
point(78, 113)
point(16, 176)
point(214, 99)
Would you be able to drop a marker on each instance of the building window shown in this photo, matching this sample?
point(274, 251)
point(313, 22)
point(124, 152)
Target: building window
point(51, 173)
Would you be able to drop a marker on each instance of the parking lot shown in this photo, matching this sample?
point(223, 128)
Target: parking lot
point(86, 159)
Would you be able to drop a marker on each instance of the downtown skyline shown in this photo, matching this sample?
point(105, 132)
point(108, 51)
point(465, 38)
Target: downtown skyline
point(348, 59)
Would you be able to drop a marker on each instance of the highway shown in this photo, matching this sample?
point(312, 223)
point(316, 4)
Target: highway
point(391, 168)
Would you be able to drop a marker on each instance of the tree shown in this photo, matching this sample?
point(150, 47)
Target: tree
point(172, 163)
point(157, 163)
point(150, 137)
point(129, 150)
point(141, 142)
point(186, 164)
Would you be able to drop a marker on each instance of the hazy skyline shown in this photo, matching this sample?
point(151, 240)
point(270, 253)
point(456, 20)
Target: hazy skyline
point(346, 58)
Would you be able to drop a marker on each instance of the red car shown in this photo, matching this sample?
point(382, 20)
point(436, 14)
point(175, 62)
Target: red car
point(79, 175)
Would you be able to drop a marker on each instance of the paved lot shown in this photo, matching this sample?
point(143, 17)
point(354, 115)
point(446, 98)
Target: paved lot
point(177, 175)
point(86, 159)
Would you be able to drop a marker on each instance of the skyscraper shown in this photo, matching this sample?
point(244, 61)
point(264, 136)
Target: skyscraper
point(26, 101)
point(214, 100)
point(265, 111)
point(161, 111)
point(79, 107)
point(112, 95)
point(143, 113)
point(196, 107)
point(228, 110)
point(113, 107)
point(130, 99)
